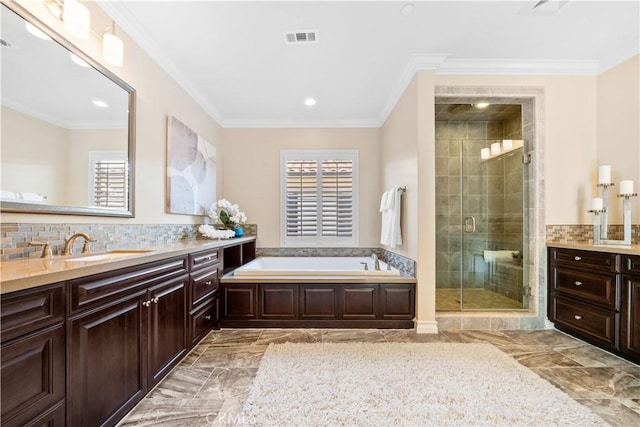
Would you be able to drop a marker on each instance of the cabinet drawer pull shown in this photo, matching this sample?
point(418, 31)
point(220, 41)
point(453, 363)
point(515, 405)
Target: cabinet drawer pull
point(207, 317)
point(209, 258)
point(577, 258)
point(146, 303)
point(577, 317)
point(155, 300)
point(578, 283)
point(208, 283)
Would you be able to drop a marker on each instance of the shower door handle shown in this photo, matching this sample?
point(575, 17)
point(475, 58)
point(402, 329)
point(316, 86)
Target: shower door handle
point(470, 224)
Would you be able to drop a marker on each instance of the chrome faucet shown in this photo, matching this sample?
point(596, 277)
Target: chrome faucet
point(376, 262)
point(68, 243)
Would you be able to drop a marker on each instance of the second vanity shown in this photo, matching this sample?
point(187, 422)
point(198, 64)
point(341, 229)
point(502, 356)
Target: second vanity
point(85, 338)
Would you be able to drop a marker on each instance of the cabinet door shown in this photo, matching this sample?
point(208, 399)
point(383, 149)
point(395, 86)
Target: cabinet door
point(398, 302)
point(239, 301)
point(359, 302)
point(167, 327)
point(203, 319)
point(318, 302)
point(33, 377)
point(278, 302)
point(106, 362)
point(630, 318)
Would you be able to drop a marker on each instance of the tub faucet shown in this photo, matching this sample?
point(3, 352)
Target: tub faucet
point(376, 262)
point(68, 243)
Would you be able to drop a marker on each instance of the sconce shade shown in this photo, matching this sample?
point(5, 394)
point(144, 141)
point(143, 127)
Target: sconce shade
point(112, 49)
point(484, 153)
point(76, 19)
point(495, 148)
point(507, 144)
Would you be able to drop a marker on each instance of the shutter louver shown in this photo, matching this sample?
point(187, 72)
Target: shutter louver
point(302, 198)
point(337, 198)
point(110, 184)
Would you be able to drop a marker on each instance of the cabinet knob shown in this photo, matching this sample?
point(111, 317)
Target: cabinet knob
point(155, 300)
point(578, 283)
point(146, 303)
point(207, 317)
point(208, 283)
point(577, 317)
point(577, 258)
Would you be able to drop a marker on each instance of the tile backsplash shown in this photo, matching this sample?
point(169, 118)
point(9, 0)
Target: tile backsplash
point(583, 233)
point(15, 237)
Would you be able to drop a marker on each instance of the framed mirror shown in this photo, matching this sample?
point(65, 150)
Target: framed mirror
point(68, 126)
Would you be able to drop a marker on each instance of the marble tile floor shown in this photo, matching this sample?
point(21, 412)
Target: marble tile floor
point(448, 299)
point(209, 386)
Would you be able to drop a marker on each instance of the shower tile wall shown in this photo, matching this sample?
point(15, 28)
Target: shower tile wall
point(502, 184)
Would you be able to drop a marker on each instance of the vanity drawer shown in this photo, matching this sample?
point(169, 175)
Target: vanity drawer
point(632, 264)
point(599, 288)
point(593, 323)
point(204, 259)
point(203, 283)
point(586, 259)
point(25, 311)
point(203, 319)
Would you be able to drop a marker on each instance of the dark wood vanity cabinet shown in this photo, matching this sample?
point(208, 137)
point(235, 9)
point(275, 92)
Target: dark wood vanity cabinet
point(33, 357)
point(282, 305)
point(630, 308)
point(125, 331)
point(596, 296)
point(204, 293)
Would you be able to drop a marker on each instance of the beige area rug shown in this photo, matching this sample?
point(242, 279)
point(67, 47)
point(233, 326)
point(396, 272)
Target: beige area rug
point(408, 384)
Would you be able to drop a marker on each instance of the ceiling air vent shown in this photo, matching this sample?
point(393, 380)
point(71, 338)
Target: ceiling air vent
point(301, 36)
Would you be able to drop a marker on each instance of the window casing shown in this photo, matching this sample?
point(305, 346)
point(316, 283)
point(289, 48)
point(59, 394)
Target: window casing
point(319, 198)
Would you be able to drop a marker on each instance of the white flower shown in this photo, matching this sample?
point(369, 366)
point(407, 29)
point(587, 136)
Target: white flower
point(213, 233)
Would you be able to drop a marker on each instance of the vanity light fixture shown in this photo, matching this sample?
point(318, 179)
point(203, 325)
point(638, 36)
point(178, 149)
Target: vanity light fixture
point(310, 102)
point(112, 47)
point(76, 18)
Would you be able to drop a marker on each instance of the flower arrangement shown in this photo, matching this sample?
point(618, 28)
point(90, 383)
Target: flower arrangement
point(226, 215)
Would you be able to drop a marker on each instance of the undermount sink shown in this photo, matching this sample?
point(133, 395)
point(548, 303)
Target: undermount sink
point(116, 253)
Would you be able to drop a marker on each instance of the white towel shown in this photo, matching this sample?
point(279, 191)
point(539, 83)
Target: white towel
point(391, 233)
point(495, 256)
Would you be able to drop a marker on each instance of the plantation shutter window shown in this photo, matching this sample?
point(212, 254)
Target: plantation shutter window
point(318, 197)
point(109, 171)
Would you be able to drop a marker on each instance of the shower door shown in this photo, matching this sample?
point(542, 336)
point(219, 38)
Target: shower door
point(492, 227)
point(481, 224)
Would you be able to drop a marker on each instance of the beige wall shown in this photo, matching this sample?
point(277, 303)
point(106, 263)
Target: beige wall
point(252, 174)
point(34, 156)
point(158, 96)
point(569, 135)
point(618, 129)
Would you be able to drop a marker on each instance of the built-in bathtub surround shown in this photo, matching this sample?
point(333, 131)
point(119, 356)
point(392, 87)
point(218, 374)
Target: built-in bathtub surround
point(406, 265)
point(583, 233)
point(15, 237)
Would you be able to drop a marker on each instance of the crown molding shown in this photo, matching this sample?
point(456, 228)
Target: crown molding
point(282, 124)
point(519, 67)
point(127, 21)
point(619, 56)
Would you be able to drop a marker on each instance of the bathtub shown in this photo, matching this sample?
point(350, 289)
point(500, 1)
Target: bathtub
point(313, 266)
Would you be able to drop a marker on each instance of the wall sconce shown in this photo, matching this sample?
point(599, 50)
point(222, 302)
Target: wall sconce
point(485, 153)
point(495, 148)
point(77, 22)
point(507, 144)
point(112, 47)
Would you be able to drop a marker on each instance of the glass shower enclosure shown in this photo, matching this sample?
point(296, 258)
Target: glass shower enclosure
point(481, 236)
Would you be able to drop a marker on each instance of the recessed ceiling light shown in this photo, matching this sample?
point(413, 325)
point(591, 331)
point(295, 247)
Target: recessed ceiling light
point(310, 102)
point(79, 61)
point(407, 9)
point(36, 32)
point(482, 105)
point(100, 103)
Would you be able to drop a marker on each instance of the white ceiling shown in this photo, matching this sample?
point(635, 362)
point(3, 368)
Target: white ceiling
point(231, 56)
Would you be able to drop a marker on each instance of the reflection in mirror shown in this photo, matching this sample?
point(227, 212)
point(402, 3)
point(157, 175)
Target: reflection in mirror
point(67, 126)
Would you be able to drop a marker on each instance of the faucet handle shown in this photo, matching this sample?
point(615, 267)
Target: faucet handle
point(366, 266)
point(46, 249)
point(85, 247)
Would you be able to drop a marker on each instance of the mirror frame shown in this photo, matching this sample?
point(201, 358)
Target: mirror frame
point(30, 208)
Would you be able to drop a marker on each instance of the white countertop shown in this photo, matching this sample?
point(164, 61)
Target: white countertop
point(28, 273)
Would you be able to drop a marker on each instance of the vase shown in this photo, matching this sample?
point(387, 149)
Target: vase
point(239, 232)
